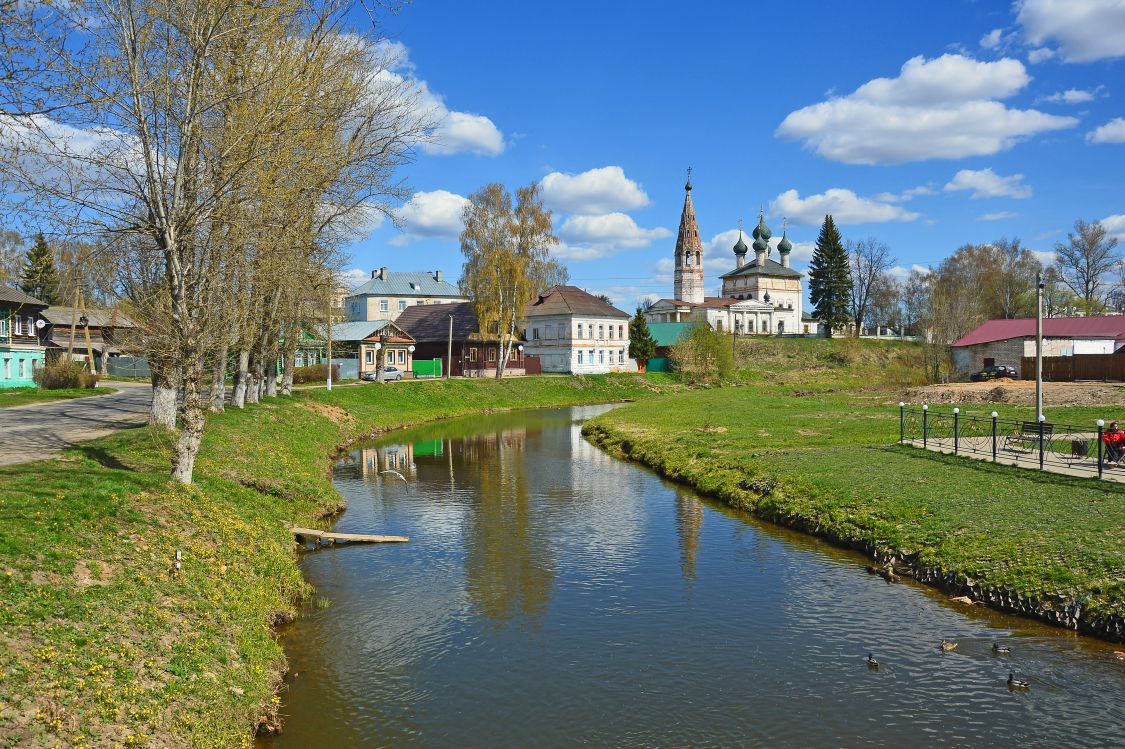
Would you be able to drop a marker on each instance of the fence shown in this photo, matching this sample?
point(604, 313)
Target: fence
point(1077, 367)
point(426, 367)
point(1046, 445)
point(128, 366)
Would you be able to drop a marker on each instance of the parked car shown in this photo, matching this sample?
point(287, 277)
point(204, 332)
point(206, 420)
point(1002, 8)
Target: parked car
point(995, 372)
point(389, 373)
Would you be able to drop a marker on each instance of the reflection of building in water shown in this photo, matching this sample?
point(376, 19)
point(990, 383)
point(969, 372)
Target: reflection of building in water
point(689, 523)
point(386, 458)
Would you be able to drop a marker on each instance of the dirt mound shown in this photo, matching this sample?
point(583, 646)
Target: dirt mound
point(1020, 392)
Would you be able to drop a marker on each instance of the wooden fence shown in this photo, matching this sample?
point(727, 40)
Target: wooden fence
point(1103, 367)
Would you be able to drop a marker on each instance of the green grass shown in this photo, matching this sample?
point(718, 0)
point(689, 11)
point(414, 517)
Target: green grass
point(810, 442)
point(22, 396)
point(101, 644)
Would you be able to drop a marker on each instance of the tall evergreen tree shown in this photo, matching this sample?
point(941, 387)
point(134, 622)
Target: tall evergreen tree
point(40, 279)
point(830, 281)
point(642, 346)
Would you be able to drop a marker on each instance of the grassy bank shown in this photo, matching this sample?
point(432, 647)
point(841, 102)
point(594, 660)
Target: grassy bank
point(809, 443)
point(24, 396)
point(103, 644)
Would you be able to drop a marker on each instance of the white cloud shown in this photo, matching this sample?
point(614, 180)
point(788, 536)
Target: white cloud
point(601, 190)
point(431, 214)
point(991, 40)
point(352, 278)
point(1037, 56)
point(461, 131)
point(998, 216)
point(845, 206)
point(900, 273)
point(1115, 226)
point(1073, 96)
point(986, 183)
point(591, 237)
point(905, 195)
point(941, 108)
point(1086, 30)
point(453, 131)
point(1111, 132)
point(1046, 257)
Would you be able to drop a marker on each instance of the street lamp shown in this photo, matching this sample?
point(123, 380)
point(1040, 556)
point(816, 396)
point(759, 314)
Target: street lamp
point(378, 369)
point(1039, 346)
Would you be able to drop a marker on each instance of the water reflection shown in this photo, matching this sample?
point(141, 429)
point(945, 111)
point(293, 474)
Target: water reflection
point(553, 596)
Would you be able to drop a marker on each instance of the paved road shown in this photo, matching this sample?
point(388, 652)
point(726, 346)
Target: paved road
point(38, 431)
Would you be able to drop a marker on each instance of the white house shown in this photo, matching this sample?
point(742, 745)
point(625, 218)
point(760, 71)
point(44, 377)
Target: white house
point(577, 333)
point(387, 295)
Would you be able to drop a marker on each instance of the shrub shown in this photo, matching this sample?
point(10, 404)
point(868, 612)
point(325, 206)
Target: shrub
point(704, 355)
point(61, 372)
point(315, 373)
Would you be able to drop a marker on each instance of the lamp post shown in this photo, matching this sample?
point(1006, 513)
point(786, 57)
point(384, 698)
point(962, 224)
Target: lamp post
point(1039, 346)
point(378, 357)
point(449, 352)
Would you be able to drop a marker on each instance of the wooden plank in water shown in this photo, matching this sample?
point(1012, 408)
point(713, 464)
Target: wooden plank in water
point(354, 538)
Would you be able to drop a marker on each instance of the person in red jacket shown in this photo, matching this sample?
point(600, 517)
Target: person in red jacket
point(1114, 439)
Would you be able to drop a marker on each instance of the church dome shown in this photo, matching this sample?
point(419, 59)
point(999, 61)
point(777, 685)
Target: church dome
point(761, 231)
point(784, 246)
point(761, 245)
point(740, 247)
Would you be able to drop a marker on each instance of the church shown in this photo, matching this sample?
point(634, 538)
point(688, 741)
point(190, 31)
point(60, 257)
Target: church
point(758, 296)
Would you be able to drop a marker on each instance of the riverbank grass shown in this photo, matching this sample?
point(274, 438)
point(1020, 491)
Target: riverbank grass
point(103, 643)
point(813, 445)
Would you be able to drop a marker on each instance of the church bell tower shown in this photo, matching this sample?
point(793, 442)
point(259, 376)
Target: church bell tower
point(689, 254)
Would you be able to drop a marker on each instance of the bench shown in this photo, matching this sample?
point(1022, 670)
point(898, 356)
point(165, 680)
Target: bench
point(1028, 435)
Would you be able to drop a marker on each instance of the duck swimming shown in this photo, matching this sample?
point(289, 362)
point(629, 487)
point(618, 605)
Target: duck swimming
point(998, 649)
point(946, 646)
point(872, 663)
point(1015, 684)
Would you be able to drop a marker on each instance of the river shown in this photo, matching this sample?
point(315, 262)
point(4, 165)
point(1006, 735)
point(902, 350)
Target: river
point(554, 596)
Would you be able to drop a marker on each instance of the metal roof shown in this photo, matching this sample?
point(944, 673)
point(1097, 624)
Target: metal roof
point(17, 297)
point(1105, 326)
point(354, 331)
point(771, 268)
point(97, 317)
point(670, 333)
point(571, 300)
point(407, 284)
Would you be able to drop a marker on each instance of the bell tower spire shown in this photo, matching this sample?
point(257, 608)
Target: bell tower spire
point(689, 253)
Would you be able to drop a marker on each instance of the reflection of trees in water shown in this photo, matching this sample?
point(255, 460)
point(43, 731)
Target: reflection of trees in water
point(508, 565)
point(689, 524)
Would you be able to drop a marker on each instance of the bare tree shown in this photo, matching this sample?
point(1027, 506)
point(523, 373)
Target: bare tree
point(1085, 260)
point(869, 261)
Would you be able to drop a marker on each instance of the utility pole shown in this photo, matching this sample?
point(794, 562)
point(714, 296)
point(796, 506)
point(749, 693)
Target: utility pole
point(449, 353)
point(1039, 346)
point(329, 337)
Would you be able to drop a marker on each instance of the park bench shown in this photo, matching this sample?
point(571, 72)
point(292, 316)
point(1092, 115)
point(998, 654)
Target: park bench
point(1028, 435)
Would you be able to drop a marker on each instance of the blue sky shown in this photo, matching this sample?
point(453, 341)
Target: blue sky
point(926, 125)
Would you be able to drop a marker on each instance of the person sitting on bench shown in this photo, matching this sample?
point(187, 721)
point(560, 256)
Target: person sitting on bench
point(1114, 439)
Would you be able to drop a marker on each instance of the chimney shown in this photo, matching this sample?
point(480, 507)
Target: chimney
point(437, 276)
point(374, 274)
point(383, 273)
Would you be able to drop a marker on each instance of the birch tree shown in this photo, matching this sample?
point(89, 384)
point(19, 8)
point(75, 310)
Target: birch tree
point(507, 260)
point(1085, 261)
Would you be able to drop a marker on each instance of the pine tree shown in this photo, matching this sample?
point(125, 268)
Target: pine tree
point(642, 346)
point(40, 279)
point(830, 281)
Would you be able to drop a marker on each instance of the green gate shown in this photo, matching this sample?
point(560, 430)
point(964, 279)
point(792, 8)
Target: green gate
point(658, 365)
point(427, 367)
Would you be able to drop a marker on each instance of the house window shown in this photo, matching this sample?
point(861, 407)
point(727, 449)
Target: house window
point(4, 327)
point(611, 332)
point(384, 305)
point(19, 365)
point(401, 305)
point(8, 369)
point(601, 356)
point(562, 331)
point(601, 332)
point(579, 357)
point(420, 302)
point(579, 330)
point(491, 354)
point(402, 356)
point(19, 326)
point(621, 356)
point(472, 354)
point(621, 331)
point(369, 357)
point(535, 334)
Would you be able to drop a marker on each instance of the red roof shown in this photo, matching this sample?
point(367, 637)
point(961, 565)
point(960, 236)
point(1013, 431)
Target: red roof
point(1109, 326)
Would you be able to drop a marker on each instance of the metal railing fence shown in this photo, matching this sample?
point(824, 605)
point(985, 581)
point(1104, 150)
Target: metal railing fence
point(1027, 443)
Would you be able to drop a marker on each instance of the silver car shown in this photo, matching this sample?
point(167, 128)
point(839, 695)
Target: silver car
point(389, 373)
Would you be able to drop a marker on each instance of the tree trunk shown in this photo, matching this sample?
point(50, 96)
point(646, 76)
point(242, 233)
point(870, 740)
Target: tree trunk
point(162, 412)
point(271, 380)
point(288, 365)
point(238, 397)
point(219, 381)
point(191, 420)
point(252, 380)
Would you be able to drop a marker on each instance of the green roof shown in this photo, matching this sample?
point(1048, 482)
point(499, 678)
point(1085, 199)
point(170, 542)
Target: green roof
point(670, 333)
